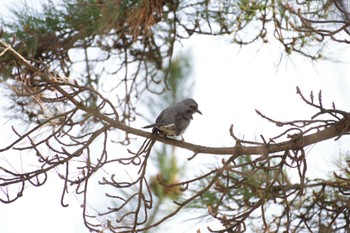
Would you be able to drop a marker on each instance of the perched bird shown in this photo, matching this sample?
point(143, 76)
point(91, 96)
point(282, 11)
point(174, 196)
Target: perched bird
point(174, 120)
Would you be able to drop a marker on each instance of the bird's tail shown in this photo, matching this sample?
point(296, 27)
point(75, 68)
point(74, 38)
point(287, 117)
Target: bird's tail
point(148, 126)
point(154, 130)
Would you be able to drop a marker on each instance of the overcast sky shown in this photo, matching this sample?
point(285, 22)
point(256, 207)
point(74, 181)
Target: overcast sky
point(230, 84)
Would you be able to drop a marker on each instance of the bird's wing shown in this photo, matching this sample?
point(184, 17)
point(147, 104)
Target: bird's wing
point(167, 116)
point(164, 118)
point(159, 119)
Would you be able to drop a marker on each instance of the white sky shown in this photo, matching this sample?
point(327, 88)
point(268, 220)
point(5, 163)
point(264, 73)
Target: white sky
point(230, 84)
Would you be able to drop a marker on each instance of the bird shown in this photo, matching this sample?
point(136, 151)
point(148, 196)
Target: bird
point(174, 120)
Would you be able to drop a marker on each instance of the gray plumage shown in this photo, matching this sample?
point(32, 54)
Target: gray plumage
point(174, 120)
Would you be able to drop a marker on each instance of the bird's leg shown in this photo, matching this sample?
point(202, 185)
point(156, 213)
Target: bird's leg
point(161, 133)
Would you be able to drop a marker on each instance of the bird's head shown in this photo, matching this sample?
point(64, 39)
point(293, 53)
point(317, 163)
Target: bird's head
point(192, 106)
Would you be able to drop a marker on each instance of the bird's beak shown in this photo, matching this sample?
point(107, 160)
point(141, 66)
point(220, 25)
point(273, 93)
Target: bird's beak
point(197, 110)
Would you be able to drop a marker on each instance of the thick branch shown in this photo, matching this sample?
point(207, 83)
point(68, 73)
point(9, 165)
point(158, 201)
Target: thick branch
point(297, 142)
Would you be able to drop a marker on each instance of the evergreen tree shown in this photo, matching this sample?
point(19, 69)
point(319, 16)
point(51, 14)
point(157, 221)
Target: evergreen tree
point(77, 72)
